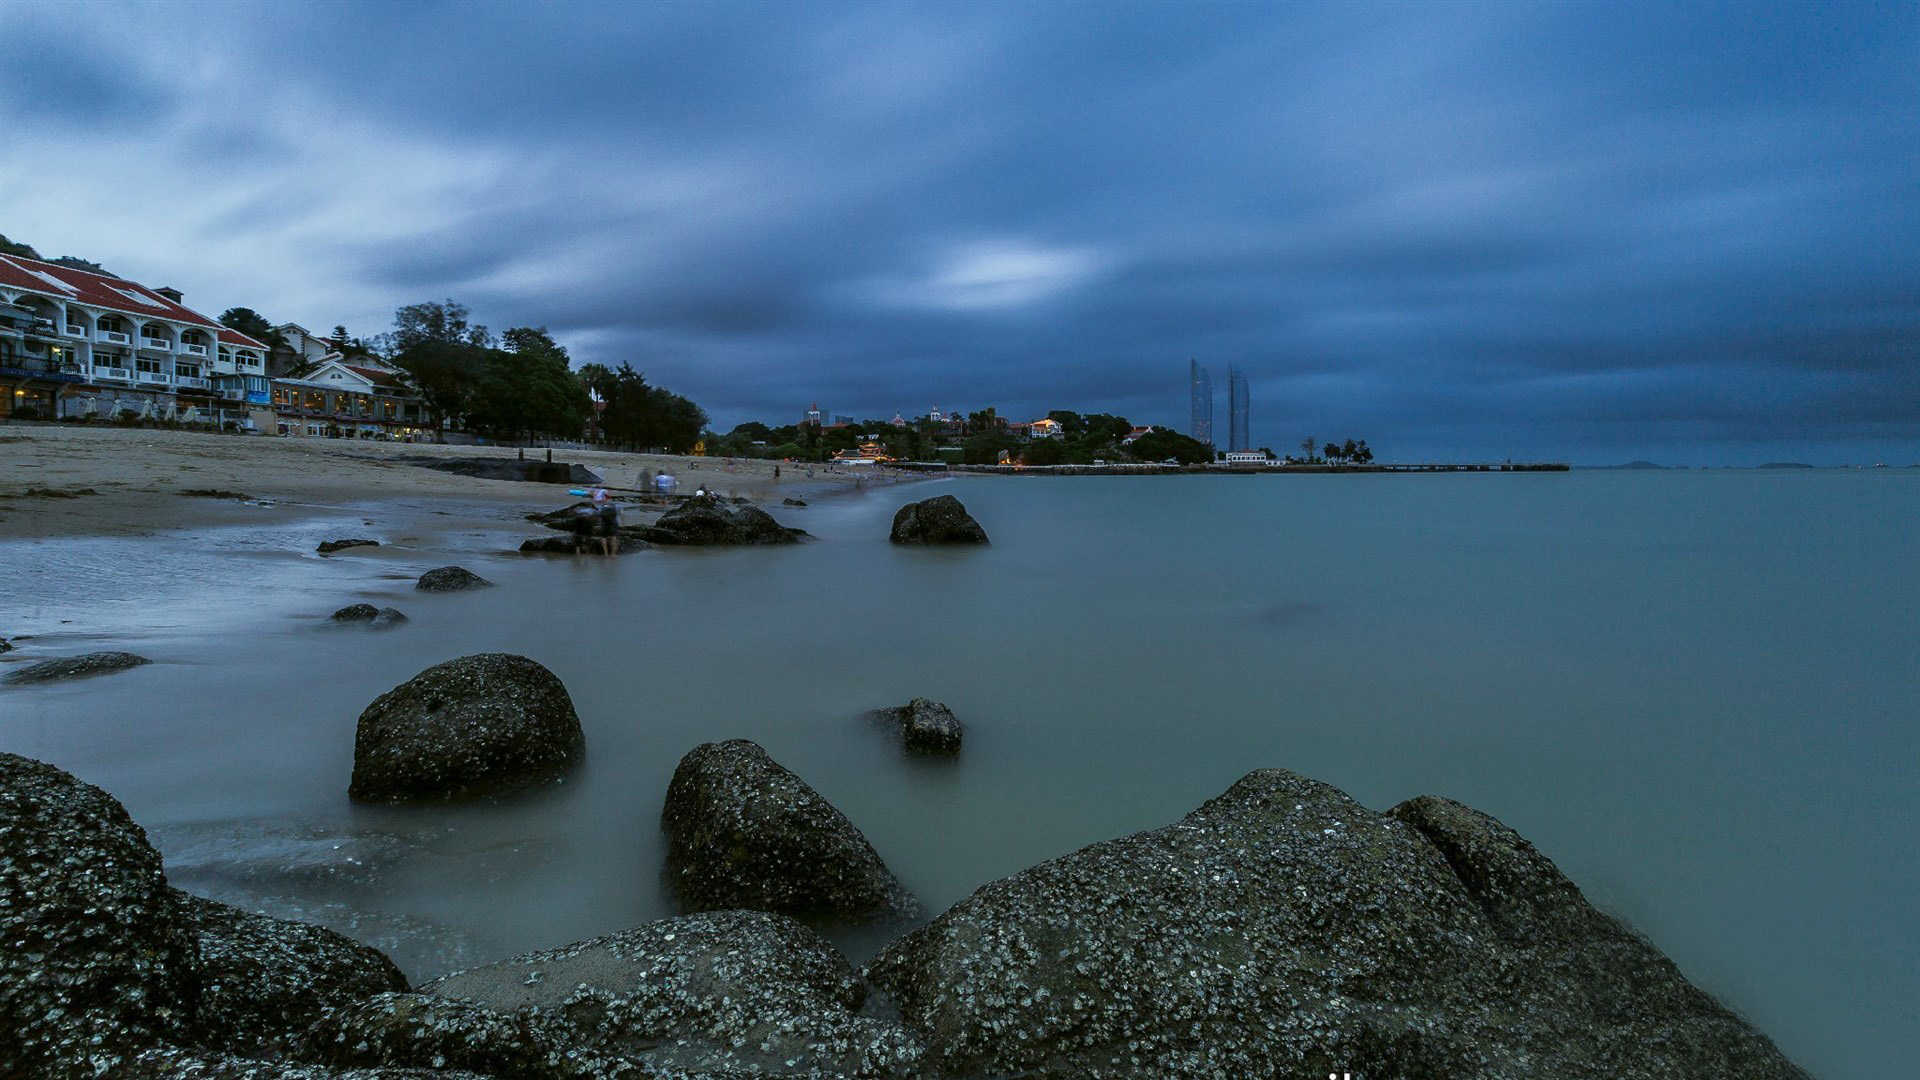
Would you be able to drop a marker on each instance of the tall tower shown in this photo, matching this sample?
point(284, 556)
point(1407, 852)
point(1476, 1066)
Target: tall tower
point(1200, 412)
point(1237, 410)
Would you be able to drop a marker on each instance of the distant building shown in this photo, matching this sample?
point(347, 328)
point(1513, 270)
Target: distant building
point(1045, 428)
point(1136, 432)
point(351, 401)
point(814, 415)
point(1200, 402)
point(1247, 457)
point(1237, 410)
point(844, 421)
point(898, 420)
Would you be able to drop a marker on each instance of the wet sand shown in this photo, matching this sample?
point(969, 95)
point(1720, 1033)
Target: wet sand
point(138, 477)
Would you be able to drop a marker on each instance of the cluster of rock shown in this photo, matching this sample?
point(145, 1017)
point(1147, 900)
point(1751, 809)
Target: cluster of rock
point(1279, 930)
point(710, 520)
point(73, 667)
point(377, 618)
point(939, 520)
point(328, 547)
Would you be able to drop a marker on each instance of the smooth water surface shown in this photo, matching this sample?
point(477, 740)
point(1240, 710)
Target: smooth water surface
point(1694, 691)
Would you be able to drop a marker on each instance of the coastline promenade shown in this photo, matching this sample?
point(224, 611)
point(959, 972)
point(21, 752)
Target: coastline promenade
point(1136, 469)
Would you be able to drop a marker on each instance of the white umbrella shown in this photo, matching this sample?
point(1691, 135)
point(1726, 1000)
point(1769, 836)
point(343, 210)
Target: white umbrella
point(173, 410)
point(85, 406)
point(146, 408)
point(192, 415)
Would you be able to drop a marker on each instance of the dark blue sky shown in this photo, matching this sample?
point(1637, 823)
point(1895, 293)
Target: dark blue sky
point(1587, 232)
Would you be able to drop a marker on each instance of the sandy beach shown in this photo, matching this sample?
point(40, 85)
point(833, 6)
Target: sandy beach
point(137, 477)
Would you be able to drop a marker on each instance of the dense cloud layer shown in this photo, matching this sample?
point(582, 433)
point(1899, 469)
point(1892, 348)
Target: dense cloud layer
point(1585, 232)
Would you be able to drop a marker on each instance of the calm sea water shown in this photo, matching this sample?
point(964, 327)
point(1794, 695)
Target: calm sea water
point(1695, 691)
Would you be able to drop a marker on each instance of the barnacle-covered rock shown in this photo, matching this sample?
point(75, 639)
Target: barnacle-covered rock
point(1284, 930)
point(95, 961)
point(450, 579)
point(368, 615)
point(717, 991)
point(73, 667)
point(425, 1032)
point(743, 832)
point(264, 980)
point(175, 1063)
point(478, 725)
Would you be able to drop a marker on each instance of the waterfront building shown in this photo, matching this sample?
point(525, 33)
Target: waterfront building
point(1045, 428)
point(350, 401)
point(1247, 457)
point(74, 343)
point(1200, 402)
point(1237, 438)
point(1136, 431)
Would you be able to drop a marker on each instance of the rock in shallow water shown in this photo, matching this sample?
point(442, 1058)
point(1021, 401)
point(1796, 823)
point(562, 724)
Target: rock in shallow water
point(939, 520)
point(94, 961)
point(74, 667)
point(479, 725)
point(328, 547)
point(377, 618)
point(450, 579)
point(1284, 930)
point(706, 520)
point(743, 832)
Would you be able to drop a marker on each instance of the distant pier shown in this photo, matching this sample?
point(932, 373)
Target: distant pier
point(1221, 469)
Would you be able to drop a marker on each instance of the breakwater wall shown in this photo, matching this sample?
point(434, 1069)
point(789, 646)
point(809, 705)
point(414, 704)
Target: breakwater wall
point(1219, 469)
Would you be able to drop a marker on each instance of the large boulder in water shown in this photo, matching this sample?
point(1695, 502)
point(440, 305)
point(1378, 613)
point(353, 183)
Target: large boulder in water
point(367, 614)
point(1284, 930)
point(264, 981)
point(706, 520)
point(94, 959)
point(743, 832)
point(74, 667)
point(479, 725)
point(939, 520)
point(450, 579)
point(728, 992)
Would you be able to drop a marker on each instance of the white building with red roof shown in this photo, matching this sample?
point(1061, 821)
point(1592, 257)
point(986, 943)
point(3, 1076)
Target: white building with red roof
point(78, 343)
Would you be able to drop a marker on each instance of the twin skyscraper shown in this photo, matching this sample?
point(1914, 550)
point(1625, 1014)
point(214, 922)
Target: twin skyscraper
point(1200, 404)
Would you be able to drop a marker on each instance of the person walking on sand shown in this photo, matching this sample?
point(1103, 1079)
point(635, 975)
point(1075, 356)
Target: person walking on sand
point(608, 516)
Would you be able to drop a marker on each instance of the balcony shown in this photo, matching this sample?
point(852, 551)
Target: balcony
point(119, 373)
point(112, 337)
point(158, 378)
point(193, 381)
point(76, 332)
point(234, 395)
point(191, 349)
point(156, 344)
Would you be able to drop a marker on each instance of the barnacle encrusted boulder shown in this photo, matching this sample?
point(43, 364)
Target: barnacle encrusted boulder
point(425, 1032)
point(743, 832)
point(450, 579)
point(368, 615)
point(720, 991)
point(73, 667)
point(95, 961)
point(480, 725)
point(705, 519)
point(939, 520)
point(263, 980)
point(1284, 930)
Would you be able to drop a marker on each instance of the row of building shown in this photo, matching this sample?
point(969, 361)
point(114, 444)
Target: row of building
point(78, 345)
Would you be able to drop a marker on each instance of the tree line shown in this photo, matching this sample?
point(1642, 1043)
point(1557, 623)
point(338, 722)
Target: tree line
point(521, 385)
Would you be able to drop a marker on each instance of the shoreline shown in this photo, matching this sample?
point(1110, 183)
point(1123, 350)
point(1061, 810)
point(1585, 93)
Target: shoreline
point(59, 481)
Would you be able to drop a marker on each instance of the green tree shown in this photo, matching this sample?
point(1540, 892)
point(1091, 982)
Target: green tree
point(254, 325)
point(443, 321)
point(1163, 444)
point(527, 388)
point(1045, 451)
point(9, 247)
point(446, 373)
point(1330, 451)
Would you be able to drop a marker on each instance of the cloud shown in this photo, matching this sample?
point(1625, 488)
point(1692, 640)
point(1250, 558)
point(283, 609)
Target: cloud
point(1472, 228)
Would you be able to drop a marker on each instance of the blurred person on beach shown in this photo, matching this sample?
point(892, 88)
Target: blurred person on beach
point(608, 521)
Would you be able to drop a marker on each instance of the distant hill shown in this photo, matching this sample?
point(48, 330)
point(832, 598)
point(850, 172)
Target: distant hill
point(1786, 465)
point(1634, 465)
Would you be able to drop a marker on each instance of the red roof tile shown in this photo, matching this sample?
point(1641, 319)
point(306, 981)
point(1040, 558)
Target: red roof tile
point(107, 292)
